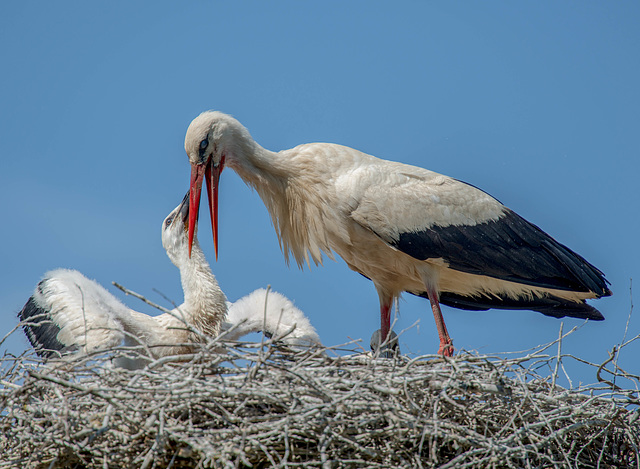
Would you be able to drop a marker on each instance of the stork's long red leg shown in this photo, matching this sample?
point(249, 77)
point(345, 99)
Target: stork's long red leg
point(446, 344)
point(385, 318)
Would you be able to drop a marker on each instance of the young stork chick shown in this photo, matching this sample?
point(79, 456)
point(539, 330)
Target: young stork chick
point(71, 313)
point(273, 314)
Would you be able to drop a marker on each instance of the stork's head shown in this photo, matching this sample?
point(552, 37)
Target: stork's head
point(213, 139)
point(175, 239)
point(208, 140)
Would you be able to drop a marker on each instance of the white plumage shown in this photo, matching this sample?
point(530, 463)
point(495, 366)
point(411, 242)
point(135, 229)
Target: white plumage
point(405, 228)
point(69, 312)
point(272, 313)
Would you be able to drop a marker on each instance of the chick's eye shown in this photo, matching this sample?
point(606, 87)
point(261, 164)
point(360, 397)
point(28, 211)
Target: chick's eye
point(204, 144)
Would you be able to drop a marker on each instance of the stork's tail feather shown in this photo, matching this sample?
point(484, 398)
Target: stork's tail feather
point(572, 309)
point(547, 305)
point(41, 331)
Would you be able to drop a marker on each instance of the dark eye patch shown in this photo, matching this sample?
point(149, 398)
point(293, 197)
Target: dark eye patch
point(203, 148)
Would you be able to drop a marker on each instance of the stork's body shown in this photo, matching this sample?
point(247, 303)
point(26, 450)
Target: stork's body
point(69, 312)
point(273, 314)
point(404, 227)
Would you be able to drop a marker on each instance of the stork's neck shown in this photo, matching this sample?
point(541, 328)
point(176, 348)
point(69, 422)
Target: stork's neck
point(256, 166)
point(294, 193)
point(205, 305)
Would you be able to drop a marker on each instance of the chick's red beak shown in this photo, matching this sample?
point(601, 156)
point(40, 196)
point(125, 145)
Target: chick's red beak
point(211, 174)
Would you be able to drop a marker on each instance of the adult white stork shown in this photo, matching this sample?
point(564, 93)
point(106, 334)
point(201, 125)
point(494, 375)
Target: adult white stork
point(403, 227)
point(69, 312)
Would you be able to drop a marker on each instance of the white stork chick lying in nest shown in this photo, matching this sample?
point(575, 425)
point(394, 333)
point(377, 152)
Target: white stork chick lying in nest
point(70, 313)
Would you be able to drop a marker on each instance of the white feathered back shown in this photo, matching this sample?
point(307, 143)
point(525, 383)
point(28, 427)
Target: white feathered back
point(281, 316)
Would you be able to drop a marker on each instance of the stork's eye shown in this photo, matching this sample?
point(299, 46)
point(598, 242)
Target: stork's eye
point(203, 148)
point(168, 221)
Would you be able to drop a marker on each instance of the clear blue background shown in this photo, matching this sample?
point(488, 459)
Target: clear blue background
point(537, 103)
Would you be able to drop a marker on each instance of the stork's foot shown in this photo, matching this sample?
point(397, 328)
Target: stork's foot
point(389, 349)
point(446, 348)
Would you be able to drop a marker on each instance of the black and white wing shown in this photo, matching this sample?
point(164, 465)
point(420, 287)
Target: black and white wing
point(68, 312)
point(430, 216)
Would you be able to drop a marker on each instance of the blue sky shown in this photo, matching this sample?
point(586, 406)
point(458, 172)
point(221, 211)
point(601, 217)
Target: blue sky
point(537, 103)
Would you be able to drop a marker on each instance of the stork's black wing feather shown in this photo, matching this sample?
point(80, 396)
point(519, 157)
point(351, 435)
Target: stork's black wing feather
point(509, 248)
point(41, 331)
point(547, 305)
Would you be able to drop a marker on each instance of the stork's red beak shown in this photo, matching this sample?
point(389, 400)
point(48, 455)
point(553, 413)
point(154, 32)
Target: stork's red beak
point(211, 174)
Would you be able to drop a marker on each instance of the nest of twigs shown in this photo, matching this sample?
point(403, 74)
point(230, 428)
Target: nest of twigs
point(236, 405)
